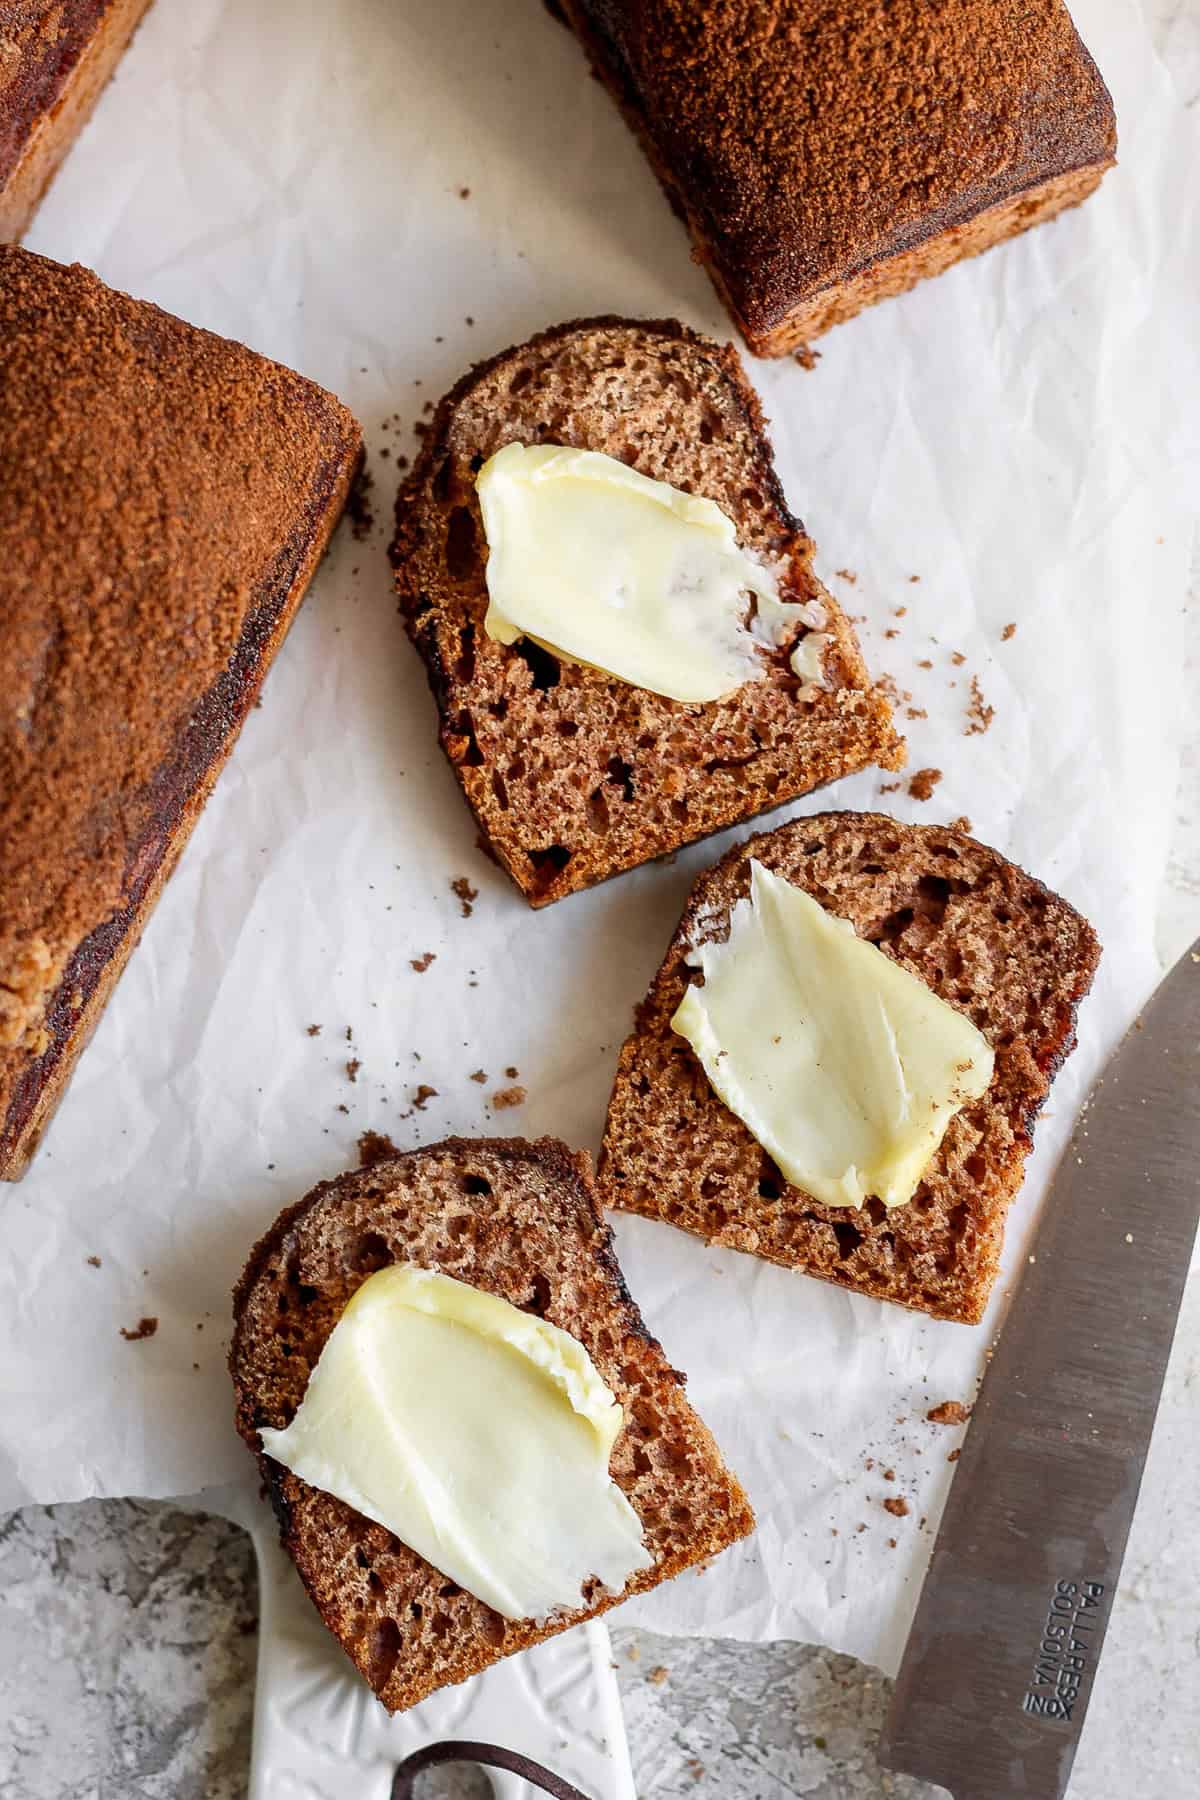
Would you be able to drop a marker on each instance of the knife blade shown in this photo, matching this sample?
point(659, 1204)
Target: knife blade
point(999, 1666)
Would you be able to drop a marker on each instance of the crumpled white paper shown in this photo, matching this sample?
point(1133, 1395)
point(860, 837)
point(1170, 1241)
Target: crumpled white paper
point(1015, 434)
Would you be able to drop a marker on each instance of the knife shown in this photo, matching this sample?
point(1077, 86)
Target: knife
point(999, 1666)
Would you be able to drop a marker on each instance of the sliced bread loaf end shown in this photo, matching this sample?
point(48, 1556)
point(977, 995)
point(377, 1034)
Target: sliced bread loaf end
point(984, 936)
point(519, 1220)
point(572, 774)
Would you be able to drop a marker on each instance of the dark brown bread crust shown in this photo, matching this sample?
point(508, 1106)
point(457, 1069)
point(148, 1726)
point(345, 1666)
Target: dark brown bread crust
point(519, 1220)
point(827, 155)
point(988, 939)
point(573, 775)
point(55, 58)
point(167, 497)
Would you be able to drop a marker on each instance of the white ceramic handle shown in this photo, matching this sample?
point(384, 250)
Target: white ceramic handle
point(320, 1734)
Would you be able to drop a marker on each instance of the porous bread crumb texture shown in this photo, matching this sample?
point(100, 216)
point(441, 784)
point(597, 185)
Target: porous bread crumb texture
point(572, 774)
point(519, 1220)
point(917, 134)
point(166, 496)
point(55, 57)
point(986, 938)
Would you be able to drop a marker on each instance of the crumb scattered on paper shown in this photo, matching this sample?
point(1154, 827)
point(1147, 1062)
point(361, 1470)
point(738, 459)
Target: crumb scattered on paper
point(846, 575)
point(979, 713)
point(807, 357)
point(421, 963)
point(1010, 631)
point(948, 1412)
point(479, 1075)
point(314, 1031)
point(962, 823)
point(423, 1096)
point(897, 1505)
point(923, 783)
point(375, 1147)
point(658, 1675)
point(465, 894)
point(358, 504)
point(145, 1328)
point(510, 1096)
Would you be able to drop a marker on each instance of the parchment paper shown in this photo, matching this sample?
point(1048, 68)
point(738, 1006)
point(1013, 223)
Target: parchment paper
point(1019, 435)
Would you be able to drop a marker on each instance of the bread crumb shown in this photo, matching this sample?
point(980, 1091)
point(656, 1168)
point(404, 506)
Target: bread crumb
point(888, 787)
point(145, 1328)
point(949, 1412)
point(923, 783)
point(891, 632)
point(900, 611)
point(465, 893)
point(421, 963)
point(375, 1147)
point(957, 658)
point(924, 663)
point(352, 1068)
point(915, 712)
point(889, 1474)
point(846, 575)
point(479, 1075)
point(358, 504)
point(93, 1262)
point(979, 713)
point(634, 1653)
point(423, 1096)
point(314, 1031)
point(807, 357)
point(1010, 630)
point(512, 1072)
point(658, 1675)
point(914, 578)
point(510, 1096)
point(891, 1543)
point(343, 1109)
point(464, 193)
point(954, 1456)
point(897, 1505)
point(962, 823)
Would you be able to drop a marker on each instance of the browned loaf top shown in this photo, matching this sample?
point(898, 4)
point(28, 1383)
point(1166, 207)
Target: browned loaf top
point(55, 57)
point(166, 494)
point(572, 774)
point(519, 1220)
point(988, 939)
point(808, 141)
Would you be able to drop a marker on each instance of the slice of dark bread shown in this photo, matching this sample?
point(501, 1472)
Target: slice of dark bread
point(516, 1219)
point(572, 774)
point(987, 938)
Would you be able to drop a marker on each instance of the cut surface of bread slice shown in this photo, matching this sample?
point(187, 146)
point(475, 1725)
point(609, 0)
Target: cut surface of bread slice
point(572, 774)
point(986, 938)
point(915, 135)
point(165, 496)
point(519, 1220)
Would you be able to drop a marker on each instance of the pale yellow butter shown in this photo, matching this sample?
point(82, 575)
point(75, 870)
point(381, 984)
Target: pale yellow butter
point(480, 1435)
point(843, 1065)
point(607, 567)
